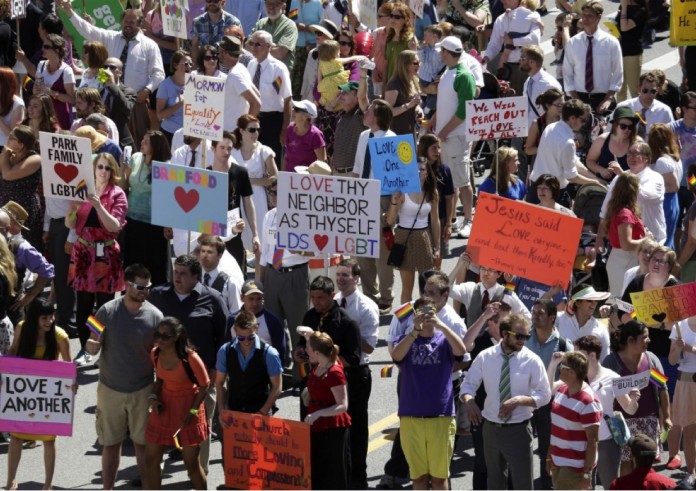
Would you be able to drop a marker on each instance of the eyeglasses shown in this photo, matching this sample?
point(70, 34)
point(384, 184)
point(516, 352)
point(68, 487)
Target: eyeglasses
point(140, 288)
point(634, 154)
point(423, 169)
point(648, 91)
point(256, 44)
point(660, 262)
point(252, 130)
point(110, 67)
point(345, 43)
point(625, 126)
point(210, 57)
point(318, 33)
point(519, 336)
point(104, 167)
point(250, 337)
point(212, 1)
point(48, 46)
point(162, 336)
point(559, 105)
point(396, 16)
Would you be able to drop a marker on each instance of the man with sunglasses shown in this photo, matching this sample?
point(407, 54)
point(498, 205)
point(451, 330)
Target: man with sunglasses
point(241, 96)
point(651, 111)
point(118, 100)
point(516, 383)
point(125, 370)
point(208, 28)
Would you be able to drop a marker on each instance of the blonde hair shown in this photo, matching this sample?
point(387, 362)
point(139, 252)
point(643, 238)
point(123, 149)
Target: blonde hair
point(329, 50)
point(7, 266)
point(530, 4)
point(500, 173)
point(115, 170)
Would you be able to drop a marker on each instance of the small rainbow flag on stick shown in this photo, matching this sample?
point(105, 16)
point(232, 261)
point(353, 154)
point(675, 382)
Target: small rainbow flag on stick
point(81, 187)
point(509, 288)
point(304, 370)
point(293, 14)
point(404, 311)
point(633, 314)
point(657, 378)
point(277, 84)
point(692, 180)
point(386, 372)
point(94, 325)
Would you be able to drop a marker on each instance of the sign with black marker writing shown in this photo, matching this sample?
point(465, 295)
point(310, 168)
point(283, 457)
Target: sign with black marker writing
point(491, 119)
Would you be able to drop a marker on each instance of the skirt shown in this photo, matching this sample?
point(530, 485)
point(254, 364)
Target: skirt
point(29, 437)
point(175, 405)
point(6, 335)
point(647, 425)
point(419, 249)
point(683, 413)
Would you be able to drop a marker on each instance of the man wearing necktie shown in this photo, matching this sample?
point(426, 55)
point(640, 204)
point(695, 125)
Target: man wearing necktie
point(649, 110)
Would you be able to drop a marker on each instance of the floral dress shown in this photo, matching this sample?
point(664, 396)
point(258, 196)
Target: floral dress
point(25, 192)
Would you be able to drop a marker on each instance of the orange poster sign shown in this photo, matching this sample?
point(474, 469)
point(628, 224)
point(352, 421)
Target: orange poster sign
point(525, 240)
point(261, 452)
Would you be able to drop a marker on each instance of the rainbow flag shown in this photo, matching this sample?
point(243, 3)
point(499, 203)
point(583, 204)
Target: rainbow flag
point(633, 314)
point(509, 288)
point(176, 439)
point(293, 14)
point(657, 378)
point(81, 186)
point(692, 180)
point(277, 84)
point(404, 311)
point(386, 372)
point(345, 25)
point(304, 370)
point(94, 325)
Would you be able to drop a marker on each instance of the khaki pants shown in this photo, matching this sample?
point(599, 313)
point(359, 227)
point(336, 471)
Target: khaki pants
point(631, 81)
point(564, 478)
point(371, 269)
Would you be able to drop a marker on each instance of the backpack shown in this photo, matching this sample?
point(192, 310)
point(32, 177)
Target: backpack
point(187, 367)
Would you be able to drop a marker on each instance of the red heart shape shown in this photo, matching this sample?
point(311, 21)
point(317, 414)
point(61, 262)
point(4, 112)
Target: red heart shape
point(186, 199)
point(66, 172)
point(321, 241)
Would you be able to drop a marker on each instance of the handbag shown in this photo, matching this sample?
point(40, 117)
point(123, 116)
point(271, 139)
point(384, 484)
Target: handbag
point(398, 251)
point(618, 427)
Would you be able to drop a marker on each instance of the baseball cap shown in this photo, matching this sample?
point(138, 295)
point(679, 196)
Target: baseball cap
point(353, 85)
point(451, 43)
point(252, 286)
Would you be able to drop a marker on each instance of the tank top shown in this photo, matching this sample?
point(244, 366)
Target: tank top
point(407, 214)
point(605, 156)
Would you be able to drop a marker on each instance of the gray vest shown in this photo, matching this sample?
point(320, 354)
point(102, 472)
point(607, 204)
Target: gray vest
point(474, 310)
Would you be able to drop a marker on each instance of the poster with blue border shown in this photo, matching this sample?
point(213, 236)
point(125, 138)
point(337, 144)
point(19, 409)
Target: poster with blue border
point(394, 163)
point(189, 198)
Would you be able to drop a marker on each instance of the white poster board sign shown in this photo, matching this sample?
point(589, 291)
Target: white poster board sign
point(417, 7)
point(327, 215)
point(66, 166)
point(491, 119)
point(624, 385)
point(368, 13)
point(18, 9)
point(174, 18)
point(204, 107)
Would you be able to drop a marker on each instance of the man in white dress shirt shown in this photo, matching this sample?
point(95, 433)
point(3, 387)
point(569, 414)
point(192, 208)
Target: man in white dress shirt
point(538, 81)
point(241, 97)
point(595, 83)
point(649, 110)
point(516, 383)
point(142, 60)
point(230, 286)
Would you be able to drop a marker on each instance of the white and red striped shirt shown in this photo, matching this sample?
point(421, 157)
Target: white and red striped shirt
point(570, 415)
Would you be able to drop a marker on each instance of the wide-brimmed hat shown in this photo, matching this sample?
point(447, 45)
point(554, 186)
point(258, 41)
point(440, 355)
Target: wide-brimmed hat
point(230, 44)
point(589, 294)
point(98, 139)
point(624, 112)
point(316, 167)
point(16, 213)
point(308, 106)
point(326, 27)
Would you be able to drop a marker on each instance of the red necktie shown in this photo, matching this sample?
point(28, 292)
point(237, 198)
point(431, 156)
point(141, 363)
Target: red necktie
point(589, 75)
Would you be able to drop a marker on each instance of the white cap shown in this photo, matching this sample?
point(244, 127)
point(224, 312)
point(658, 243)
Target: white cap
point(451, 43)
point(306, 106)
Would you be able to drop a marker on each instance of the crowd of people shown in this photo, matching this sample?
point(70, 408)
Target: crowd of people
point(194, 325)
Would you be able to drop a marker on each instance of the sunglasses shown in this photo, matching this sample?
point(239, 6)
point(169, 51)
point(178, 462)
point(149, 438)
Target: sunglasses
point(140, 288)
point(187, 63)
point(210, 57)
point(396, 16)
point(634, 154)
point(625, 126)
point(162, 336)
point(250, 337)
point(104, 167)
point(642, 91)
point(345, 43)
point(519, 336)
point(252, 130)
point(110, 67)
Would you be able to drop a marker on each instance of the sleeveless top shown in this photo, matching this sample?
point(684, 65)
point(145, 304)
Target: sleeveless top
point(407, 214)
point(605, 156)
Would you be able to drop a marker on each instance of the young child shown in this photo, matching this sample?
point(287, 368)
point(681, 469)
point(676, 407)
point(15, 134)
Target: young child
point(331, 73)
point(560, 38)
point(534, 17)
point(430, 66)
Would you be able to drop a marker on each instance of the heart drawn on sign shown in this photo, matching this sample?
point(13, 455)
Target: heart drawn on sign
point(186, 199)
point(66, 172)
point(659, 317)
point(321, 241)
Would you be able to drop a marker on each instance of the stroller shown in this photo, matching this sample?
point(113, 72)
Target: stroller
point(587, 206)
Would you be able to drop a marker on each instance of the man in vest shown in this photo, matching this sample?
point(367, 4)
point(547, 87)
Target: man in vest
point(230, 286)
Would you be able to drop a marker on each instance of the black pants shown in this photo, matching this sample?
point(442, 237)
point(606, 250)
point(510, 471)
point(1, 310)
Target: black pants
point(235, 247)
point(594, 100)
point(541, 421)
point(145, 244)
point(480, 478)
point(85, 308)
point(359, 388)
point(397, 466)
point(271, 126)
point(65, 295)
point(330, 458)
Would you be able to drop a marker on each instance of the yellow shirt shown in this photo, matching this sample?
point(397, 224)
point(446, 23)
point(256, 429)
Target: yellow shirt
point(40, 350)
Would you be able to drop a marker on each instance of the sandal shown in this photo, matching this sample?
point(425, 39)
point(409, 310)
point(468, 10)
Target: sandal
point(29, 444)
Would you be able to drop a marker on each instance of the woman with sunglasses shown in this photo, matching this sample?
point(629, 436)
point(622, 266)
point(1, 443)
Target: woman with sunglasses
point(552, 102)
point(665, 160)
point(399, 37)
point(177, 413)
point(578, 319)
point(170, 95)
point(96, 266)
point(304, 141)
point(94, 55)
point(259, 162)
point(607, 156)
point(208, 62)
point(379, 47)
point(403, 94)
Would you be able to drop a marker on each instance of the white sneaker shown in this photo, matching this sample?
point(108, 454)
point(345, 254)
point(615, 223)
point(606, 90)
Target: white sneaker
point(88, 358)
point(465, 230)
point(81, 358)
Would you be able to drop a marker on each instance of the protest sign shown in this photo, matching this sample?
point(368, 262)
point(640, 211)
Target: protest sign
point(682, 30)
point(325, 214)
point(417, 7)
point(669, 304)
point(368, 13)
point(262, 452)
point(18, 9)
point(174, 17)
point(393, 160)
point(36, 396)
point(66, 166)
point(524, 240)
point(104, 13)
point(624, 385)
point(204, 107)
point(189, 198)
point(491, 119)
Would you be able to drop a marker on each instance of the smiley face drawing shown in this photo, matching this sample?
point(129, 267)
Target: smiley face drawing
point(405, 153)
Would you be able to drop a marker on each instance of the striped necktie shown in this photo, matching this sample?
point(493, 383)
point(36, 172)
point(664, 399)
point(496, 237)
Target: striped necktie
point(504, 386)
point(277, 258)
point(589, 73)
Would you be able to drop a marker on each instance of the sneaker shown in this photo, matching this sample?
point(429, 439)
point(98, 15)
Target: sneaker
point(455, 225)
point(384, 308)
point(81, 358)
point(88, 358)
point(674, 463)
point(465, 231)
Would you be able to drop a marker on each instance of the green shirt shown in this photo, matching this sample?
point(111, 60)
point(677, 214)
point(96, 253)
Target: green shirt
point(284, 33)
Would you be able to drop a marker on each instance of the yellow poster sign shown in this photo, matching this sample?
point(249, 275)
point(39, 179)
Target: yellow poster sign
point(683, 23)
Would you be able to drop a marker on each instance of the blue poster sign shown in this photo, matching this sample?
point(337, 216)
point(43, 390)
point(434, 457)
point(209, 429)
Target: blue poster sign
point(394, 163)
point(189, 198)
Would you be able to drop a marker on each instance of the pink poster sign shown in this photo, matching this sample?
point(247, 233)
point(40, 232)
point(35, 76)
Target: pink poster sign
point(36, 396)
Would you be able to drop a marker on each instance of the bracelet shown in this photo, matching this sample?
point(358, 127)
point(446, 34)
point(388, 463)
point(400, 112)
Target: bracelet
point(152, 396)
point(414, 337)
point(194, 412)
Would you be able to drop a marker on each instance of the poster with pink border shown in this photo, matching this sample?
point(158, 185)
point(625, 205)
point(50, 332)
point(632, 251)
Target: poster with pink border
point(36, 396)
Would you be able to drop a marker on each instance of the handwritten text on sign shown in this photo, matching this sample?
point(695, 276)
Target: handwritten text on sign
point(490, 119)
point(682, 22)
point(393, 160)
point(266, 453)
point(204, 104)
point(66, 166)
point(327, 214)
point(174, 17)
point(672, 303)
point(189, 198)
point(18, 9)
point(624, 385)
point(36, 396)
point(525, 240)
